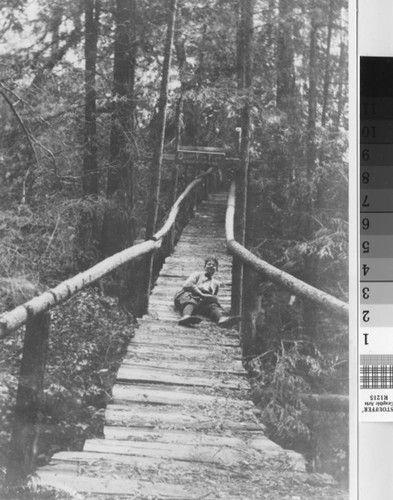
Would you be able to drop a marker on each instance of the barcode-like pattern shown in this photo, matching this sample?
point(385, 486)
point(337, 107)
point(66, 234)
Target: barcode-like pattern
point(376, 359)
point(376, 376)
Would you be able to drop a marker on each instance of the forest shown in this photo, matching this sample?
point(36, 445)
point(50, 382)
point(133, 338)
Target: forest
point(93, 95)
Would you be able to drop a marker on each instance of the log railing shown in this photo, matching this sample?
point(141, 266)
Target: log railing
point(281, 278)
point(36, 316)
point(327, 402)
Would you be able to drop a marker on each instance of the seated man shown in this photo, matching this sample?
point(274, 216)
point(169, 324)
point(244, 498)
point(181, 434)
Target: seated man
point(199, 296)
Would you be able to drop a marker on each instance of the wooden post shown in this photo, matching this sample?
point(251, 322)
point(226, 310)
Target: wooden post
point(249, 306)
point(244, 74)
point(242, 181)
point(207, 186)
point(27, 416)
point(237, 266)
point(212, 184)
point(190, 177)
point(195, 173)
point(172, 232)
point(201, 188)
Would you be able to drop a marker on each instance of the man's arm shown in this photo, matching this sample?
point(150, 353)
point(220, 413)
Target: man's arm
point(211, 297)
point(190, 284)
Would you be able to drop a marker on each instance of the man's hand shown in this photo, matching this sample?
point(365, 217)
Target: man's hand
point(195, 290)
point(209, 297)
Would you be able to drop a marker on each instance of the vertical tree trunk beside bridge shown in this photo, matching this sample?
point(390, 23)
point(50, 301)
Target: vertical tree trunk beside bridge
point(119, 223)
point(158, 137)
point(308, 230)
point(245, 42)
point(285, 58)
point(89, 226)
point(90, 166)
point(29, 399)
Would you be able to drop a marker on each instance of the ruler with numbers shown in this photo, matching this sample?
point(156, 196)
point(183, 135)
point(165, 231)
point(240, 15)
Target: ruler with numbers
point(376, 239)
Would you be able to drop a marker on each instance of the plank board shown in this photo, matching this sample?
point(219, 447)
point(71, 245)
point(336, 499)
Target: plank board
point(146, 416)
point(205, 454)
point(175, 351)
point(192, 447)
point(132, 374)
point(253, 439)
point(173, 395)
point(71, 480)
point(196, 365)
point(185, 339)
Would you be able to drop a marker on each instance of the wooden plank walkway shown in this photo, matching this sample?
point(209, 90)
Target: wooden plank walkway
point(180, 425)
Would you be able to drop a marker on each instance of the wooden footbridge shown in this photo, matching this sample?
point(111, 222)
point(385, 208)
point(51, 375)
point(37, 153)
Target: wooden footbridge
point(180, 424)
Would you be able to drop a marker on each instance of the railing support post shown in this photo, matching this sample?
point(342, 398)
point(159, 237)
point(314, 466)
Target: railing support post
point(195, 200)
point(172, 231)
point(240, 236)
point(206, 187)
point(27, 416)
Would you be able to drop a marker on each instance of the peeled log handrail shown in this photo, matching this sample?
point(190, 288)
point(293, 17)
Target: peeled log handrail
point(17, 317)
point(281, 278)
point(175, 208)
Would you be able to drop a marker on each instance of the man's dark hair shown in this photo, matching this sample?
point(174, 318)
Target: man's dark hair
point(214, 259)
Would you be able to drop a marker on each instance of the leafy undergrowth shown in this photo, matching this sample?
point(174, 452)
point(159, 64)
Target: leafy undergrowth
point(88, 339)
point(291, 364)
point(295, 348)
point(321, 436)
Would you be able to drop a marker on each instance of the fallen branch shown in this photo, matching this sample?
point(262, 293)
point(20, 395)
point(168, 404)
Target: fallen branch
point(326, 402)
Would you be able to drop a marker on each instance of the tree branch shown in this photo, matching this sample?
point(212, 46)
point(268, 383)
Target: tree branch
point(24, 128)
point(40, 118)
point(58, 55)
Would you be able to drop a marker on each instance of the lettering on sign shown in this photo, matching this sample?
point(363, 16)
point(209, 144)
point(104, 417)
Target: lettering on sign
point(197, 157)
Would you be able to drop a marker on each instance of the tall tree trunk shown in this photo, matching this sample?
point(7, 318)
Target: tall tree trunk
point(343, 72)
point(285, 56)
point(244, 77)
point(180, 47)
point(193, 131)
point(312, 95)
point(326, 82)
point(55, 24)
point(121, 172)
point(90, 170)
point(270, 25)
point(158, 136)
point(119, 220)
point(325, 98)
point(87, 241)
point(286, 84)
point(310, 261)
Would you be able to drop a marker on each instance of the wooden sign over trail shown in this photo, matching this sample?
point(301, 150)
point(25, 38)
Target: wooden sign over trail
point(200, 155)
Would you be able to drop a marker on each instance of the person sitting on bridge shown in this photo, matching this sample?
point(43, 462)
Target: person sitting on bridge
point(198, 296)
